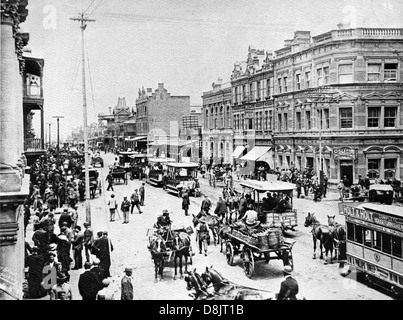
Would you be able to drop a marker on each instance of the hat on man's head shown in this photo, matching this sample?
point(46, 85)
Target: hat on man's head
point(96, 261)
point(52, 253)
point(106, 282)
point(202, 220)
point(66, 210)
point(252, 223)
point(112, 195)
point(87, 265)
point(128, 269)
point(165, 212)
point(86, 224)
point(287, 269)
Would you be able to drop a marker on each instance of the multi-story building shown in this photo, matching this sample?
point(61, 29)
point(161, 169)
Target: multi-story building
point(158, 121)
point(191, 131)
point(341, 90)
point(217, 144)
point(252, 106)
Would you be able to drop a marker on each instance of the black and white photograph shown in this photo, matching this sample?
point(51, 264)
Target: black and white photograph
point(183, 151)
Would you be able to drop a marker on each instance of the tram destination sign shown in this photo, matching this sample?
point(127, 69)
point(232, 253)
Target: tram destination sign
point(374, 217)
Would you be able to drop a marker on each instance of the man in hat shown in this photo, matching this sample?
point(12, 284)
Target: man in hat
point(35, 263)
point(63, 250)
point(74, 216)
point(77, 243)
point(105, 293)
point(62, 289)
point(65, 217)
point(221, 208)
point(206, 204)
point(135, 201)
point(40, 238)
point(88, 284)
point(250, 219)
point(125, 208)
point(113, 205)
point(185, 201)
point(142, 192)
point(97, 270)
point(109, 178)
point(203, 235)
point(164, 220)
point(88, 240)
point(127, 285)
point(104, 247)
point(289, 286)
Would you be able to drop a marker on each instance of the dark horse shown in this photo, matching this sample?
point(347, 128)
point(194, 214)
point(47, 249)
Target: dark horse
point(339, 238)
point(212, 221)
point(322, 233)
point(223, 230)
point(230, 291)
point(182, 251)
point(158, 250)
point(195, 281)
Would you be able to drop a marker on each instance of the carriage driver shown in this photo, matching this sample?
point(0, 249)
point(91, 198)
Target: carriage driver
point(163, 223)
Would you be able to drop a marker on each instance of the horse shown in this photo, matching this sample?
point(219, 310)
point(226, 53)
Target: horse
point(213, 223)
point(195, 281)
point(158, 249)
point(222, 234)
point(322, 233)
point(225, 288)
point(339, 237)
point(181, 247)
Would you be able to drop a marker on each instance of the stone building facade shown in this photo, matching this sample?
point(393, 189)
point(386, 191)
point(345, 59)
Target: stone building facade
point(158, 118)
point(342, 91)
point(217, 144)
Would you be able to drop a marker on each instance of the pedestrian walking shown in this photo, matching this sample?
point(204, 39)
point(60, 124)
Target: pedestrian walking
point(65, 217)
point(88, 284)
point(221, 208)
point(127, 285)
point(88, 241)
point(105, 293)
point(112, 205)
point(135, 201)
point(74, 216)
point(185, 201)
point(325, 182)
point(109, 179)
point(289, 286)
point(78, 247)
point(125, 208)
point(62, 289)
point(203, 235)
point(104, 247)
point(35, 263)
point(142, 192)
point(206, 204)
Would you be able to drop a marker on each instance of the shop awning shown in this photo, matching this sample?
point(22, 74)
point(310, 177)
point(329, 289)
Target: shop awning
point(237, 152)
point(136, 138)
point(261, 154)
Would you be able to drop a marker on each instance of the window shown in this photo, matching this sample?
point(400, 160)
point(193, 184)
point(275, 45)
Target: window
point(285, 121)
point(373, 117)
point(298, 81)
point(236, 95)
point(390, 117)
point(326, 75)
point(258, 90)
point(268, 88)
point(396, 246)
point(386, 243)
point(280, 120)
point(307, 79)
point(251, 95)
point(374, 72)
point(285, 84)
point(350, 231)
point(279, 85)
point(266, 119)
point(346, 118)
point(242, 121)
point(359, 230)
point(373, 168)
point(244, 92)
point(326, 124)
point(270, 120)
point(280, 160)
point(367, 237)
point(390, 72)
point(215, 123)
point(390, 168)
point(345, 73)
point(308, 120)
point(319, 77)
point(299, 162)
point(298, 121)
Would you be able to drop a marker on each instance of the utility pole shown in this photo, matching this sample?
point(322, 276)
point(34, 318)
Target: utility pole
point(58, 142)
point(83, 20)
point(50, 140)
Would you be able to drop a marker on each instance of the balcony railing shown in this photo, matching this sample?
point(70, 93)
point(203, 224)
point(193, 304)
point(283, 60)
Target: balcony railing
point(34, 92)
point(33, 144)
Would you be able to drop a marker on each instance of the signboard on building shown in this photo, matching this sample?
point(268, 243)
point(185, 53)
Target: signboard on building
point(345, 152)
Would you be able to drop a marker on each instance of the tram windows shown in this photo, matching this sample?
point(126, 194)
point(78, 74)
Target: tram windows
point(377, 244)
point(396, 246)
point(394, 278)
point(359, 234)
point(386, 243)
point(401, 280)
point(367, 237)
point(350, 231)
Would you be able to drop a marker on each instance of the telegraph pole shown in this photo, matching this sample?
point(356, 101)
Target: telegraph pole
point(83, 20)
point(50, 141)
point(58, 142)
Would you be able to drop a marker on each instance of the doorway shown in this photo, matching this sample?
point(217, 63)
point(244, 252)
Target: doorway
point(346, 169)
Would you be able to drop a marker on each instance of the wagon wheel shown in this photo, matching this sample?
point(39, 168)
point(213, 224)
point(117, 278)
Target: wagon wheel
point(229, 253)
point(288, 259)
point(267, 257)
point(248, 262)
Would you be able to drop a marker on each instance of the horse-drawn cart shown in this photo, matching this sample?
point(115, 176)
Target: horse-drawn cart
point(118, 174)
point(252, 249)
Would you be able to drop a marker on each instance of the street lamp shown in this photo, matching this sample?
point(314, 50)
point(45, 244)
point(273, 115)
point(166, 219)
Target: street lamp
point(58, 141)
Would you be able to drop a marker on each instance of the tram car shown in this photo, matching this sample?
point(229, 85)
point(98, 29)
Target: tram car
point(374, 244)
point(138, 162)
point(182, 175)
point(156, 174)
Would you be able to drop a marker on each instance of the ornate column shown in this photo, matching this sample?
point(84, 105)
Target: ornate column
point(12, 190)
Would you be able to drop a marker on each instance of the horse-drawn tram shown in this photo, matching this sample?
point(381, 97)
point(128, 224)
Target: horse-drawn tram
point(374, 243)
point(156, 174)
point(274, 202)
point(138, 161)
point(258, 244)
point(182, 175)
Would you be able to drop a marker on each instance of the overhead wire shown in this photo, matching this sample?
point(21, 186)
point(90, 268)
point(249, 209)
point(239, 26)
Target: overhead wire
point(96, 7)
point(89, 6)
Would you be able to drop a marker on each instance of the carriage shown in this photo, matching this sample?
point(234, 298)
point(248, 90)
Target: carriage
point(95, 184)
point(118, 174)
point(138, 162)
point(284, 218)
point(156, 174)
point(254, 247)
point(182, 175)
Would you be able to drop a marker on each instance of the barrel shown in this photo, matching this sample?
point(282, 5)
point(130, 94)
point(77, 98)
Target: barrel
point(274, 238)
point(263, 242)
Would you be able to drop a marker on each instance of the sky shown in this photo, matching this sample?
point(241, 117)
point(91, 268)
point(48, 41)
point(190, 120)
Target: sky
point(185, 44)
